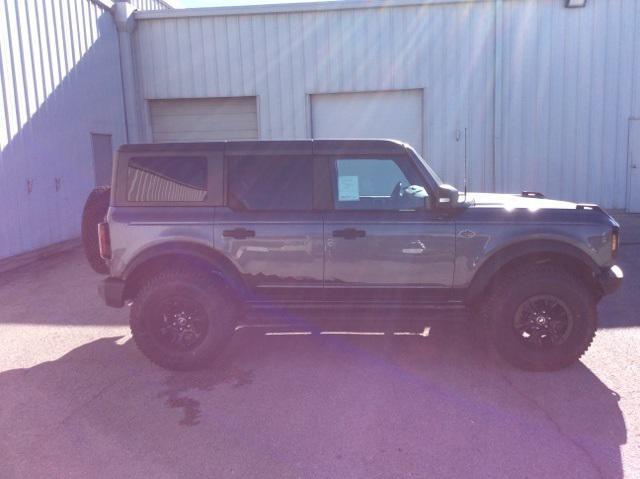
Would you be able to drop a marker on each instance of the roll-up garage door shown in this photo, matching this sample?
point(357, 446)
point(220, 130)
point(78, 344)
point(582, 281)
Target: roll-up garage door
point(382, 114)
point(204, 119)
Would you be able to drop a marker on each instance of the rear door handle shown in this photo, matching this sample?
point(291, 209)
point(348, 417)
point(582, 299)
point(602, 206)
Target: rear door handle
point(239, 233)
point(349, 233)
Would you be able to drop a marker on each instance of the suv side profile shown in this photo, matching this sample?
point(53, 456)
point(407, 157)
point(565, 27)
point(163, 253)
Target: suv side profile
point(198, 235)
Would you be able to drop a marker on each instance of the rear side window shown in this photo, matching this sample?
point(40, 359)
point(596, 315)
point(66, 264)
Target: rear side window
point(171, 179)
point(259, 183)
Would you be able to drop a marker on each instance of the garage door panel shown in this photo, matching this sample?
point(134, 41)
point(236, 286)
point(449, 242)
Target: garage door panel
point(205, 136)
point(384, 114)
point(201, 106)
point(185, 123)
point(204, 119)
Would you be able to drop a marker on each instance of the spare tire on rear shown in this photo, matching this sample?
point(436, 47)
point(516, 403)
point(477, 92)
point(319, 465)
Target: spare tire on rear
point(95, 210)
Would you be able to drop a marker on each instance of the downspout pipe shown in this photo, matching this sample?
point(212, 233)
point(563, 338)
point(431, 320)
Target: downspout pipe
point(498, 174)
point(125, 23)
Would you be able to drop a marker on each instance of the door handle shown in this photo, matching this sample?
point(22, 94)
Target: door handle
point(349, 233)
point(238, 233)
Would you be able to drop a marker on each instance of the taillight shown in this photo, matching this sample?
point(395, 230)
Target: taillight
point(615, 241)
point(104, 240)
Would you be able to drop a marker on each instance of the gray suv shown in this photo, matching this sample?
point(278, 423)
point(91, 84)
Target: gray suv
point(199, 235)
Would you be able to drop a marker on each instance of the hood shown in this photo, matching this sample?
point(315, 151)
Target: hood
point(514, 201)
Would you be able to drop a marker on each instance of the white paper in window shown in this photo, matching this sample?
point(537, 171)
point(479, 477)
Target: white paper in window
point(348, 189)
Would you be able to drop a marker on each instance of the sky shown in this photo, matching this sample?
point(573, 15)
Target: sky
point(226, 3)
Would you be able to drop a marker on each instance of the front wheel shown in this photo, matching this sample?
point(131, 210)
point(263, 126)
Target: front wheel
point(541, 318)
point(181, 319)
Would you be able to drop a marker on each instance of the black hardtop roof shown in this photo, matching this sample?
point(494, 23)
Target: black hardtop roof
point(276, 147)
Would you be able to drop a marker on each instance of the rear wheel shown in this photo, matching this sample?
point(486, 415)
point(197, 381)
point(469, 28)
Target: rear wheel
point(540, 317)
point(95, 210)
point(181, 319)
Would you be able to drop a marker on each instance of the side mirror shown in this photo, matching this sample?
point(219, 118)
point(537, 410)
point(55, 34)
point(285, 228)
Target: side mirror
point(446, 197)
point(416, 191)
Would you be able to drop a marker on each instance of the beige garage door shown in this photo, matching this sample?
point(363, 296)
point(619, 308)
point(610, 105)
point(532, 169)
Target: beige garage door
point(380, 114)
point(204, 119)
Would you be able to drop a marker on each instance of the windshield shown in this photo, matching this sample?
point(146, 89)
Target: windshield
point(433, 174)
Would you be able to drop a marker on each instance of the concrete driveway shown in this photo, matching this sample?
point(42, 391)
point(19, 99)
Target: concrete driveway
point(78, 400)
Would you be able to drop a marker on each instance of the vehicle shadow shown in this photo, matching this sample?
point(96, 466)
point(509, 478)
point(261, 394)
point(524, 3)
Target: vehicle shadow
point(323, 405)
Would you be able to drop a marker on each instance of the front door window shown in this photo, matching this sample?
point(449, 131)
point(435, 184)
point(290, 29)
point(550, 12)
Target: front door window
point(377, 184)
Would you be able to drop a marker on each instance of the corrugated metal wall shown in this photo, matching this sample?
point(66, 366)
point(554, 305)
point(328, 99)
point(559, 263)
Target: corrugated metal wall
point(571, 82)
point(565, 80)
point(59, 81)
point(281, 58)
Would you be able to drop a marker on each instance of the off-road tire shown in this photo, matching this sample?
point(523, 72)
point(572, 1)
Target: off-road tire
point(95, 210)
point(202, 291)
point(513, 289)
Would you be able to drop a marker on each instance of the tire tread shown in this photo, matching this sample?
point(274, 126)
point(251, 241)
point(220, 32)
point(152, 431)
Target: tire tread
point(182, 362)
point(515, 277)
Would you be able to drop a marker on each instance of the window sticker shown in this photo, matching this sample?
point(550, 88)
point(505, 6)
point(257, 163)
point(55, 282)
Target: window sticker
point(348, 189)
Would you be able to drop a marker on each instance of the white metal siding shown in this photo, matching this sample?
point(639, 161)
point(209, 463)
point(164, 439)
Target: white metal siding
point(569, 81)
point(567, 78)
point(59, 81)
point(282, 58)
point(205, 119)
point(385, 114)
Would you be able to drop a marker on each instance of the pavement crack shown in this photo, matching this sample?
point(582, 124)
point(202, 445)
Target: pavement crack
point(93, 398)
point(555, 423)
point(49, 435)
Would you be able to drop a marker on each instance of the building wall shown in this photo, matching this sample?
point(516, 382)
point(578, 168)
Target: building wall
point(59, 81)
point(571, 81)
point(544, 92)
point(282, 58)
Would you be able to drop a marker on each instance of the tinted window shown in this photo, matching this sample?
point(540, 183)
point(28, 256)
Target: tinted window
point(175, 179)
point(271, 183)
point(380, 183)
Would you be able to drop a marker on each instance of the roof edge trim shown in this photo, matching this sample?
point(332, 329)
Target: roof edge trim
point(290, 8)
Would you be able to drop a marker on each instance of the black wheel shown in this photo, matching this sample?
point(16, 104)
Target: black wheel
point(95, 210)
point(181, 319)
point(540, 317)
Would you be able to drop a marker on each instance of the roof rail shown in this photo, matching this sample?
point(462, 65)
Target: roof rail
point(589, 207)
point(532, 194)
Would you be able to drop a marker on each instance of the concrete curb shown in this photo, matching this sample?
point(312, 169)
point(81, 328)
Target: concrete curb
point(18, 261)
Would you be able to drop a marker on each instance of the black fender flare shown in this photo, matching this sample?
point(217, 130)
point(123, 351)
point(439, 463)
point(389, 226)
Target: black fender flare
point(500, 258)
point(187, 252)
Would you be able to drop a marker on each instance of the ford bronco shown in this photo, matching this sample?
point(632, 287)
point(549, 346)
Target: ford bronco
point(198, 235)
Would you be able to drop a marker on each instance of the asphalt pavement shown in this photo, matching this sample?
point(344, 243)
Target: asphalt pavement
point(77, 399)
